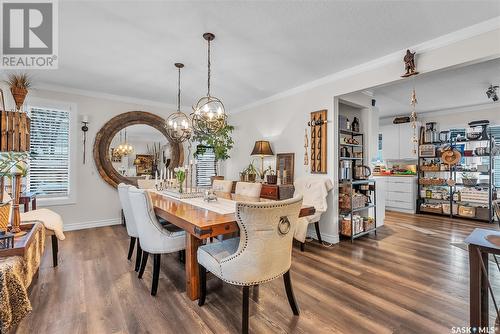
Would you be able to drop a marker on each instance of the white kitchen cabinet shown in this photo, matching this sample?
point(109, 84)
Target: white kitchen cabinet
point(390, 145)
point(401, 193)
point(397, 141)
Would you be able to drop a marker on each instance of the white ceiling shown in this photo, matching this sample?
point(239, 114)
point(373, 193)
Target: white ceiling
point(128, 48)
point(454, 88)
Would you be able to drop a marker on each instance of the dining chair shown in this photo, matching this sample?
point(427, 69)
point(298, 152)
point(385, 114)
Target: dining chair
point(146, 184)
point(155, 238)
point(248, 189)
point(262, 253)
point(314, 190)
point(224, 186)
point(130, 224)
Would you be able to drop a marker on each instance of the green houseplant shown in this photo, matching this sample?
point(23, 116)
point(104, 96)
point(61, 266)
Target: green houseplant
point(221, 142)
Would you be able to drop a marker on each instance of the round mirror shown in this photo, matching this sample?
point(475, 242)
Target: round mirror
point(133, 146)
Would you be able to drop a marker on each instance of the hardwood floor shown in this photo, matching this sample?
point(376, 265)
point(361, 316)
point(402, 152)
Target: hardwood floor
point(407, 279)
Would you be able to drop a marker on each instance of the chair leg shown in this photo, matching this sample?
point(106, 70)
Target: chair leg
point(138, 256)
point(318, 234)
point(245, 313)
point(131, 248)
point(289, 293)
point(203, 285)
point(156, 273)
point(55, 249)
point(144, 261)
point(302, 246)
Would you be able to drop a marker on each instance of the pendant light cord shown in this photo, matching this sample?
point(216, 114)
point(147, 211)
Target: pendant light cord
point(179, 90)
point(208, 83)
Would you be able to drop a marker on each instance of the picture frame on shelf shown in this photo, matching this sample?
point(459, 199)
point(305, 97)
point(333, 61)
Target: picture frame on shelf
point(145, 167)
point(285, 167)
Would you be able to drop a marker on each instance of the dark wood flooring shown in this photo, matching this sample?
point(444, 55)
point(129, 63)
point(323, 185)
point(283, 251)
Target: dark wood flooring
point(407, 279)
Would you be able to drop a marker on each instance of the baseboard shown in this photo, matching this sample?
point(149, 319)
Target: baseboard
point(91, 224)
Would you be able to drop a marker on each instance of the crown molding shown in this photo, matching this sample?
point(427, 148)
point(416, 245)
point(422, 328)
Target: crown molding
point(436, 43)
point(106, 96)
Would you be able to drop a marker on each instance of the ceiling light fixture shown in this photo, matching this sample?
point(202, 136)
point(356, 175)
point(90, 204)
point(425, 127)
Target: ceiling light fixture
point(209, 115)
point(124, 148)
point(178, 124)
point(492, 93)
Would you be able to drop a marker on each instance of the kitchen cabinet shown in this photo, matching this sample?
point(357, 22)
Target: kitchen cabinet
point(401, 193)
point(397, 141)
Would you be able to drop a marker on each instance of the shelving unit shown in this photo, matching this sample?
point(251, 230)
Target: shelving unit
point(356, 185)
point(452, 174)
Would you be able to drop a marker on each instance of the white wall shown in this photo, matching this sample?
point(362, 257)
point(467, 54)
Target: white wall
point(96, 201)
point(281, 119)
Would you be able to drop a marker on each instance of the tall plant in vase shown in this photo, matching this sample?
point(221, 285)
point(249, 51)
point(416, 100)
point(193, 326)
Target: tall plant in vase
point(12, 165)
point(19, 85)
point(221, 142)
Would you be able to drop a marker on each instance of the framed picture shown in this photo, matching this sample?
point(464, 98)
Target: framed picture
point(2, 101)
point(285, 167)
point(145, 165)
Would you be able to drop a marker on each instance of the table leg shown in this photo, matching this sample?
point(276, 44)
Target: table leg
point(192, 273)
point(478, 302)
point(26, 203)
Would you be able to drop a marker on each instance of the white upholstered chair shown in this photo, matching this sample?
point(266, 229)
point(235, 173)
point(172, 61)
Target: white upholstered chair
point(146, 184)
point(314, 190)
point(130, 224)
point(262, 253)
point(248, 189)
point(224, 186)
point(155, 238)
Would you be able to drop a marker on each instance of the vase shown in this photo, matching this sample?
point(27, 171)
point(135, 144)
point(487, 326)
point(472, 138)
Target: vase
point(19, 94)
point(180, 188)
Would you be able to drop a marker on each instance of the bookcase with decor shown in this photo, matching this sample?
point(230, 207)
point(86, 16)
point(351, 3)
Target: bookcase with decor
point(462, 190)
point(357, 196)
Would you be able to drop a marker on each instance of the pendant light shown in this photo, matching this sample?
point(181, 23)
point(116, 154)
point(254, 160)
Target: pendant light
point(209, 115)
point(178, 125)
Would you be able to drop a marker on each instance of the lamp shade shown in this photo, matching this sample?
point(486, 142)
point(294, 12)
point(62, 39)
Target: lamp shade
point(262, 148)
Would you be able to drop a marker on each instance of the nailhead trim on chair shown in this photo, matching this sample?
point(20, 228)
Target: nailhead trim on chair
point(233, 256)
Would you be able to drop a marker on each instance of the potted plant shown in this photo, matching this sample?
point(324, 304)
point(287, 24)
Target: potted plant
point(469, 179)
point(221, 142)
point(251, 172)
point(19, 84)
point(8, 162)
point(243, 175)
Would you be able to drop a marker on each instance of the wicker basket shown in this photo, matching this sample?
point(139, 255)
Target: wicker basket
point(4, 216)
point(469, 182)
point(431, 168)
point(432, 182)
point(446, 209)
point(431, 209)
point(368, 224)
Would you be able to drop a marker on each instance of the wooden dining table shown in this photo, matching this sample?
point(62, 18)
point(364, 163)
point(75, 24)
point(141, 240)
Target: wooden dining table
point(200, 224)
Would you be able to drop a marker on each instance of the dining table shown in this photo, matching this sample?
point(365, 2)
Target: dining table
point(202, 220)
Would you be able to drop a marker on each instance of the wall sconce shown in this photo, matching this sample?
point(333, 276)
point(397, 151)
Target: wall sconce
point(85, 128)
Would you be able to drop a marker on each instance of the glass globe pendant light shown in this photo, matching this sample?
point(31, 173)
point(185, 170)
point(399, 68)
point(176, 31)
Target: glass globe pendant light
point(178, 124)
point(209, 115)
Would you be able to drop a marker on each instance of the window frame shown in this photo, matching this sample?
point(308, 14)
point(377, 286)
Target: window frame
point(36, 102)
point(215, 166)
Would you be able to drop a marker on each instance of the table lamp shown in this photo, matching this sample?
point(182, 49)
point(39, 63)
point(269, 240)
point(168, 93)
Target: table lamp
point(262, 148)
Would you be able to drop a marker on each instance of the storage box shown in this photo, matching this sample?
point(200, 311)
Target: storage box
point(467, 211)
point(427, 151)
point(482, 213)
point(368, 224)
point(446, 209)
point(432, 208)
point(475, 196)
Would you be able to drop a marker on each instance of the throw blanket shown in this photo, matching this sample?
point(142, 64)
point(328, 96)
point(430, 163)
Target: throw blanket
point(314, 190)
point(49, 219)
point(16, 273)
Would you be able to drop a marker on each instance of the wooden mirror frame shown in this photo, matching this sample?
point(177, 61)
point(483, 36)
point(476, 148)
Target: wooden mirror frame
point(106, 134)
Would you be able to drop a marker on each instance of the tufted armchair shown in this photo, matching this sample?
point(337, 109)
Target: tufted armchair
point(314, 191)
point(155, 238)
point(262, 253)
point(224, 186)
point(248, 189)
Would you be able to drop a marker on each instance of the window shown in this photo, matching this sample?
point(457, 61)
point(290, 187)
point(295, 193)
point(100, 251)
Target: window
point(49, 168)
point(206, 166)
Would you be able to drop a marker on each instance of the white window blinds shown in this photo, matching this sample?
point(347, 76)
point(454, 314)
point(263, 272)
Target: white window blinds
point(205, 167)
point(50, 161)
